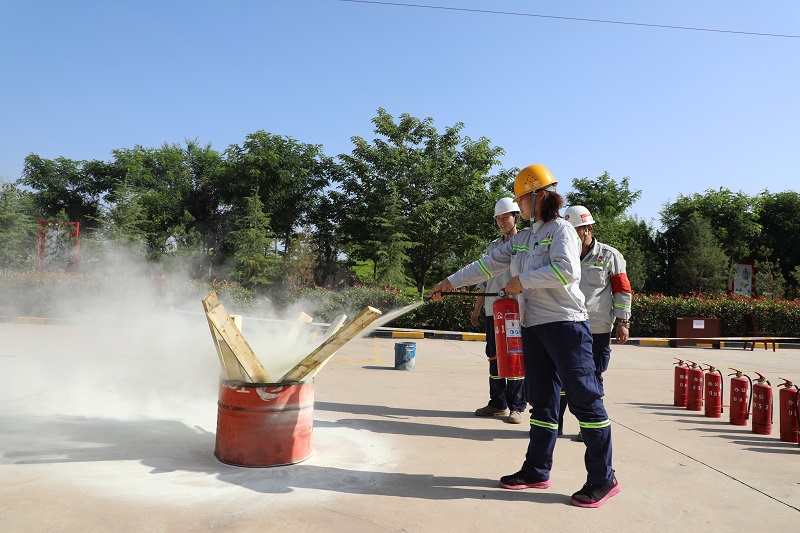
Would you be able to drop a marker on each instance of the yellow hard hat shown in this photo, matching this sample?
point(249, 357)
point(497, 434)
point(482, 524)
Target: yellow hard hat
point(530, 179)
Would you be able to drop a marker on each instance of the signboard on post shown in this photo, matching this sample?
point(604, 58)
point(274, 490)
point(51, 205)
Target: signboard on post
point(742, 282)
point(59, 245)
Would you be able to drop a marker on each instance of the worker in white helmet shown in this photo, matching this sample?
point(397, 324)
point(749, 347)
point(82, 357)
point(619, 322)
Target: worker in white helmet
point(506, 395)
point(605, 285)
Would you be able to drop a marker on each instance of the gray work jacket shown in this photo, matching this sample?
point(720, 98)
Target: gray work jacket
point(546, 257)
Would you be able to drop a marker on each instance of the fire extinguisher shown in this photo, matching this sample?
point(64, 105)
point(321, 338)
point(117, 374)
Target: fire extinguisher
point(508, 338)
point(740, 405)
point(694, 402)
point(713, 392)
point(762, 406)
point(681, 385)
point(787, 399)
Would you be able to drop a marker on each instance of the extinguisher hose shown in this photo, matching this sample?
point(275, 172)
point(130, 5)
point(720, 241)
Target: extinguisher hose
point(750, 402)
point(771, 411)
point(500, 293)
point(721, 389)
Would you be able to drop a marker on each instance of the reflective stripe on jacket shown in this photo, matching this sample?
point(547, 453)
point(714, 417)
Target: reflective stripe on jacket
point(604, 283)
point(546, 257)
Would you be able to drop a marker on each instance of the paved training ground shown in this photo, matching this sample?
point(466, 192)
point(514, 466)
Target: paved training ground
point(102, 431)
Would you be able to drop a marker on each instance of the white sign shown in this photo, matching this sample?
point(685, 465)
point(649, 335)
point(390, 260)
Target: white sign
point(743, 279)
point(698, 324)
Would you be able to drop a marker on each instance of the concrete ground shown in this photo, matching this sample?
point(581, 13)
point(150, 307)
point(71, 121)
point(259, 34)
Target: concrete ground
point(114, 430)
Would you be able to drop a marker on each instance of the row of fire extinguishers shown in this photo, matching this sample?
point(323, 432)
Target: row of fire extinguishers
point(693, 384)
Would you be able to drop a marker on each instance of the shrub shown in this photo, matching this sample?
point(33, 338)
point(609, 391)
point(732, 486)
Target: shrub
point(64, 294)
point(651, 313)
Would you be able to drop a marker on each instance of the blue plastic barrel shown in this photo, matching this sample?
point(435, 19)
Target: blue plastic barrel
point(404, 355)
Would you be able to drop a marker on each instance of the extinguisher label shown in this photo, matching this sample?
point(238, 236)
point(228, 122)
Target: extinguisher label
point(513, 333)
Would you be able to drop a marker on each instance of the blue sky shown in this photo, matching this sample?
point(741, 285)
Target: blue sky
point(677, 111)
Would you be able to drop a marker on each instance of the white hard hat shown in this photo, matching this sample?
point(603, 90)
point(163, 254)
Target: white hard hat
point(578, 216)
point(505, 205)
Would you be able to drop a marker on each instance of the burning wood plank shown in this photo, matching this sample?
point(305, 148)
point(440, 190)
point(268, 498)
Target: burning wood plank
point(318, 357)
point(232, 343)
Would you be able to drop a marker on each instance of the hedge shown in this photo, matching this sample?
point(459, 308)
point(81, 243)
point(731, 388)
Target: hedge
point(651, 314)
point(60, 294)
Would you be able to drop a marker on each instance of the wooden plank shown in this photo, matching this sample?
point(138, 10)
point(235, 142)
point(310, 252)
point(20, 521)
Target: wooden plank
point(330, 346)
point(332, 329)
point(230, 365)
point(335, 326)
point(295, 329)
point(208, 302)
point(232, 337)
point(231, 369)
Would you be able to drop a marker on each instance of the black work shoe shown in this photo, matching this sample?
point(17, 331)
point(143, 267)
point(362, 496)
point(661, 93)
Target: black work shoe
point(595, 495)
point(521, 480)
point(488, 410)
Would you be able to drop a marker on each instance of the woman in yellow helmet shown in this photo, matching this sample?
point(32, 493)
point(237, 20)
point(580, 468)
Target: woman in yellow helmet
point(544, 260)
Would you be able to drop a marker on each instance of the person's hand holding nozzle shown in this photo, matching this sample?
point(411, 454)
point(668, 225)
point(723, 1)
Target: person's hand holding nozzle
point(442, 286)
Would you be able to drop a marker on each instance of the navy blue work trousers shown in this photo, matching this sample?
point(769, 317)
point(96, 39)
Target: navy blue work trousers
point(503, 392)
point(601, 351)
point(559, 355)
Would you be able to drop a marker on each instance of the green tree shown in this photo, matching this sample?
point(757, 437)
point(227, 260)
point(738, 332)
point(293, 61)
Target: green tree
point(17, 228)
point(441, 181)
point(301, 259)
point(636, 241)
point(172, 181)
point(391, 246)
point(291, 177)
point(603, 196)
point(256, 262)
point(795, 275)
point(183, 247)
point(733, 218)
point(700, 264)
point(77, 187)
point(779, 217)
point(122, 229)
point(323, 217)
point(608, 200)
point(769, 280)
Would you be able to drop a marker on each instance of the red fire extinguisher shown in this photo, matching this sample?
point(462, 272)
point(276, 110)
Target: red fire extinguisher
point(713, 392)
point(740, 404)
point(508, 338)
point(681, 385)
point(694, 402)
point(762, 406)
point(787, 399)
